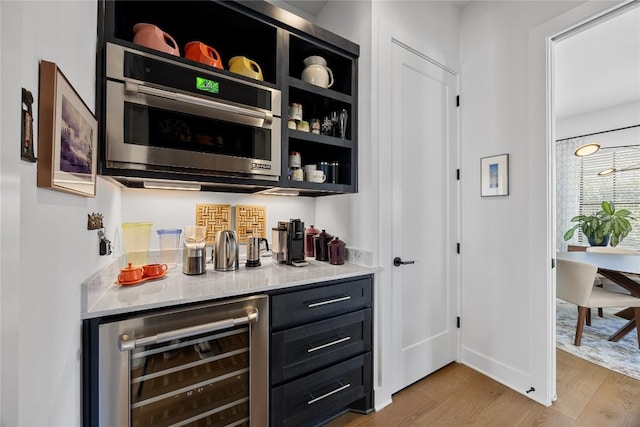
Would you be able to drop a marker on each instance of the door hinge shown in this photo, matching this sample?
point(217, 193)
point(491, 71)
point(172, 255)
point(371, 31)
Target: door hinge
point(458, 174)
point(553, 263)
point(458, 322)
point(457, 247)
point(457, 100)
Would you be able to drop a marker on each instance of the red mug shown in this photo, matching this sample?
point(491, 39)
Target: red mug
point(130, 274)
point(153, 37)
point(200, 52)
point(151, 270)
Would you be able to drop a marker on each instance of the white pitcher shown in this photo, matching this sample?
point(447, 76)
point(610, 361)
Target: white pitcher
point(316, 72)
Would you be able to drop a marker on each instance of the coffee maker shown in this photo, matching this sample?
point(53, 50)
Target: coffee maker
point(288, 242)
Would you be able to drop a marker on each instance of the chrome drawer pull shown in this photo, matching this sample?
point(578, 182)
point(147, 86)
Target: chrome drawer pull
point(328, 394)
point(331, 301)
point(128, 343)
point(329, 344)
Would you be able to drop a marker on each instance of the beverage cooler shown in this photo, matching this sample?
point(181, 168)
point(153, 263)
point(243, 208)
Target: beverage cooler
point(202, 365)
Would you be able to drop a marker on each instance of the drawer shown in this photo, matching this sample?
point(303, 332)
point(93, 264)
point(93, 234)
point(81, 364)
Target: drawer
point(299, 350)
point(308, 305)
point(313, 399)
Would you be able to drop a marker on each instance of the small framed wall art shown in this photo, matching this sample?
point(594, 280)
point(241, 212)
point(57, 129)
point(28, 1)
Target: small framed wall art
point(494, 175)
point(67, 136)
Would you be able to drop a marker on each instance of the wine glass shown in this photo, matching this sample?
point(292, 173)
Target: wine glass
point(334, 123)
point(343, 123)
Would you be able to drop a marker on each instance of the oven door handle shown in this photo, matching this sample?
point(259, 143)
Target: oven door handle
point(132, 88)
point(128, 343)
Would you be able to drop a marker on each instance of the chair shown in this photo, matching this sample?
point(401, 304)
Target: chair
point(601, 281)
point(574, 284)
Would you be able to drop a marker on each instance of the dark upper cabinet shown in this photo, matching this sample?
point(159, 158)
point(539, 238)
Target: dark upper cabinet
point(276, 40)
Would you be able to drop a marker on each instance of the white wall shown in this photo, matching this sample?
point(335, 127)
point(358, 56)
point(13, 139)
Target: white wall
point(599, 121)
point(45, 243)
point(505, 248)
point(175, 209)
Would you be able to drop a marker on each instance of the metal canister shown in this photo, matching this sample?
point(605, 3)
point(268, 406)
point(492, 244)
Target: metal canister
point(325, 168)
point(334, 172)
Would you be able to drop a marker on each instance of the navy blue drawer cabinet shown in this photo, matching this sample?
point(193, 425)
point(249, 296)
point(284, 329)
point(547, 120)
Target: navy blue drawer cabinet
point(321, 352)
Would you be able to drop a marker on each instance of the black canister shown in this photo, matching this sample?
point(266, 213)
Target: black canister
point(321, 243)
point(334, 172)
point(325, 168)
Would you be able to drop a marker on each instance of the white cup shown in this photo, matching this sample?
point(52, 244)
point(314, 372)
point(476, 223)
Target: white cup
point(295, 111)
point(297, 174)
point(318, 176)
point(308, 171)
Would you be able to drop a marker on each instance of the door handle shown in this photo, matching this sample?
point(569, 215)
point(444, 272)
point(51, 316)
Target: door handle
point(397, 261)
point(128, 342)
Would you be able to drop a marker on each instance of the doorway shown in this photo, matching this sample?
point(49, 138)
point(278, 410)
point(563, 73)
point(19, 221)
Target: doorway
point(595, 96)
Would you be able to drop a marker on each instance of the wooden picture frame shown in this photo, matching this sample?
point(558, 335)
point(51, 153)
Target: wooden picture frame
point(494, 175)
point(67, 136)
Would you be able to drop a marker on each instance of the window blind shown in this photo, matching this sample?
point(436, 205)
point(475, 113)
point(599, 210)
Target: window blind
point(622, 188)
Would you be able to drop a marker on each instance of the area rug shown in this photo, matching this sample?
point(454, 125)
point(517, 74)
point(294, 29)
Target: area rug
point(622, 356)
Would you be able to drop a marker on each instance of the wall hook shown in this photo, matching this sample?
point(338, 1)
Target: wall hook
point(95, 221)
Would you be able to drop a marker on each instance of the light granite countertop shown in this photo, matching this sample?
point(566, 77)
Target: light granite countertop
point(101, 296)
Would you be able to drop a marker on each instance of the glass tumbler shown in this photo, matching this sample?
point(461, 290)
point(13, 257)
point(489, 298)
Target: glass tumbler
point(169, 244)
point(195, 236)
point(136, 237)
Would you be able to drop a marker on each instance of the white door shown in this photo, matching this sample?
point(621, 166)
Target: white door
point(424, 215)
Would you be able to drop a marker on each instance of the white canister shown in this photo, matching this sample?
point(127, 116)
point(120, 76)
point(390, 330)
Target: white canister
point(295, 161)
point(308, 171)
point(297, 174)
point(295, 111)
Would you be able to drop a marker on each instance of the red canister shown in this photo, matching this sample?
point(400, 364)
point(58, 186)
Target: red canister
point(336, 251)
point(321, 243)
point(308, 240)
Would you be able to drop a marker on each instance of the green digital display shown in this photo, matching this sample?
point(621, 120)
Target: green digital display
point(207, 85)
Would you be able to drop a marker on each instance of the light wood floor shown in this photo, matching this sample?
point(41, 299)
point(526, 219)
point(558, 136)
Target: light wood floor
point(456, 395)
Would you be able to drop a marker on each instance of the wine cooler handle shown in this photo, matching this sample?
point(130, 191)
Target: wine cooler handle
point(128, 343)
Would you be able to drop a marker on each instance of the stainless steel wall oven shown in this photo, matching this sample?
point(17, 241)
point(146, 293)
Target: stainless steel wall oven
point(167, 116)
point(202, 365)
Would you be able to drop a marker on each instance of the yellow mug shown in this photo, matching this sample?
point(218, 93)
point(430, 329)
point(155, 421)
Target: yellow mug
point(246, 67)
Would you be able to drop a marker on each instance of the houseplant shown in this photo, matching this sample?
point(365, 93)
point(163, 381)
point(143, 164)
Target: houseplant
point(608, 225)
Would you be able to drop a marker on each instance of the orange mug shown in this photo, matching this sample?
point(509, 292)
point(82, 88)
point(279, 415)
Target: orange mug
point(130, 274)
point(150, 270)
point(200, 52)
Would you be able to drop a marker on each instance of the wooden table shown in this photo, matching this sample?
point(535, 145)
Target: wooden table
point(615, 267)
